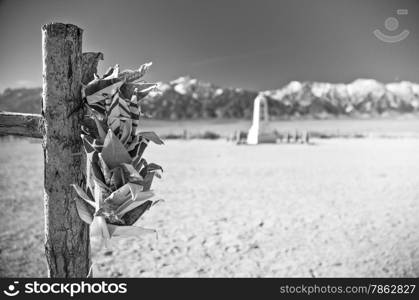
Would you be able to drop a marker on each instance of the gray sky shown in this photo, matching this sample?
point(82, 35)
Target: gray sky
point(257, 44)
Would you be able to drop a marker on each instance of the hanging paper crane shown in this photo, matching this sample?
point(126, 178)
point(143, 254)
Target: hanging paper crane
point(118, 179)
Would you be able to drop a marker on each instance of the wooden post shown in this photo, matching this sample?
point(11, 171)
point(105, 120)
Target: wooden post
point(89, 65)
point(64, 69)
point(66, 236)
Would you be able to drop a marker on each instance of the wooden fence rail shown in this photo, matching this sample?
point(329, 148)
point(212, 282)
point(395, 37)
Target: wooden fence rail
point(29, 125)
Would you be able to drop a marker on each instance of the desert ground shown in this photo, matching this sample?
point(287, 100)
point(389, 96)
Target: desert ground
point(389, 127)
point(338, 207)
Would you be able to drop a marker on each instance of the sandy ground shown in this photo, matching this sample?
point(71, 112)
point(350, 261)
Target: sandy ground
point(338, 208)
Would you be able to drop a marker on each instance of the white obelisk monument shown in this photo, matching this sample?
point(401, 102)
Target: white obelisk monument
point(259, 131)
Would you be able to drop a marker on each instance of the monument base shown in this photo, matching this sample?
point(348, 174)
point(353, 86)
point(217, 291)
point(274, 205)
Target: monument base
point(262, 135)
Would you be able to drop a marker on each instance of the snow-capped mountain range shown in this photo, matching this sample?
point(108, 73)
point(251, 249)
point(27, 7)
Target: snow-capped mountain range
point(189, 98)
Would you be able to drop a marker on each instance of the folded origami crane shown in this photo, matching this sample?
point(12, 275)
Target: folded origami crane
point(117, 191)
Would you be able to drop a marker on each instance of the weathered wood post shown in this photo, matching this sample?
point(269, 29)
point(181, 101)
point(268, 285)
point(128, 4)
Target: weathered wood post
point(89, 65)
point(66, 236)
point(64, 69)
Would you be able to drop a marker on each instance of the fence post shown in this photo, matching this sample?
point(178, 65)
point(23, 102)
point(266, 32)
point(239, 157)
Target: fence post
point(89, 65)
point(66, 236)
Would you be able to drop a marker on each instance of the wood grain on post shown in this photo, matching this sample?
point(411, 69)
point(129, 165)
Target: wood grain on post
point(90, 61)
point(66, 236)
